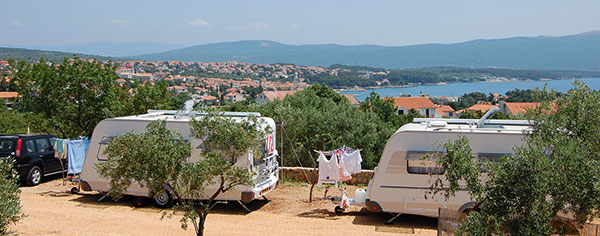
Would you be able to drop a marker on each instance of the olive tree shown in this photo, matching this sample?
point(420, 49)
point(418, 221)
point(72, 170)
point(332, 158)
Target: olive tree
point(556, 174)
point(10, 203)
point(159, 159)
point(72, 97)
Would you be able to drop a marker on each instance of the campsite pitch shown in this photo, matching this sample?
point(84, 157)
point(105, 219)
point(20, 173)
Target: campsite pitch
point(53, 210)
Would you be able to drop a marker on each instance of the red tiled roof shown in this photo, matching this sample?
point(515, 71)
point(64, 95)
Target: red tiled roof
point(351, 99)
point(177, 87)
point(520, 107)
point(9, 94)
point(231, 94)
point(209, 98)
point(444, 108)
point(413, 102)
point(479, 107)
point(272, 95)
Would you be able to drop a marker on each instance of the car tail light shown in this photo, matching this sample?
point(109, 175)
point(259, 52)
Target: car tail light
point(18, 150)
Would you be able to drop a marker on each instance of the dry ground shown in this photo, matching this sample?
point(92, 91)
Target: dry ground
point(52, 210)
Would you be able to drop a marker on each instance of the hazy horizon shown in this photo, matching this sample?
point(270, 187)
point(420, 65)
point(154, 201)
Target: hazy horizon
point(386, 23)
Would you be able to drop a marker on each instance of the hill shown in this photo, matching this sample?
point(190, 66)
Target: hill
point(573, 52)
point(110, 49)
point(30, 55)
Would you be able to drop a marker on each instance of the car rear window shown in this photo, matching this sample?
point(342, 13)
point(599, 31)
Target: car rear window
point(7, 145)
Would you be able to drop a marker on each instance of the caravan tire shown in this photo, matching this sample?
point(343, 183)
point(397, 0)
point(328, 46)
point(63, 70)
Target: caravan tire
point(162, 199)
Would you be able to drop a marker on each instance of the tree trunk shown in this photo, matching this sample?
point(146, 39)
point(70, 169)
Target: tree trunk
point(311, 192)
point(201, 220)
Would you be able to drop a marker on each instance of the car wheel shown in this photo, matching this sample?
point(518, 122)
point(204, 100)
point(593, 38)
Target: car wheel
point(162, 199)
point(339, 210)
point(34, 177)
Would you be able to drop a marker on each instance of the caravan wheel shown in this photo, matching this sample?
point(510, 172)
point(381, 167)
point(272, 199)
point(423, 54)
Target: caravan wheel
point(163, 199)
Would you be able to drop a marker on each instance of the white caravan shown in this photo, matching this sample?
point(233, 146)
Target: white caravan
point(401, 179)
point(264, 169)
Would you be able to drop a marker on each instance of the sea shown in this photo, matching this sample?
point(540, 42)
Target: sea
point(459, 89)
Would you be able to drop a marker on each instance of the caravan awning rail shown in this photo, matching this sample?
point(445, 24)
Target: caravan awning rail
point(474, 121)
point(201, 113)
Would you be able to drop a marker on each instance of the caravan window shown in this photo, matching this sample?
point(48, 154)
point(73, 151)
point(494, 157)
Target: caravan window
point(101, 146)
point(416, 164)
point(483, 158)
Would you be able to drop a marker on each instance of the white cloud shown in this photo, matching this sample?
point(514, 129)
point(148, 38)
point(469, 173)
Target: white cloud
point(16, 23)
point(198, 23)
point(120, 21)
point(294, 26)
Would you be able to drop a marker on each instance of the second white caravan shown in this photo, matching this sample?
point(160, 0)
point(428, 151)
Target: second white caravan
point(264, 169)
point(401, 179)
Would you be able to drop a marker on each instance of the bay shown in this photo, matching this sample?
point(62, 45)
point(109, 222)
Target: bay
point(459, 89)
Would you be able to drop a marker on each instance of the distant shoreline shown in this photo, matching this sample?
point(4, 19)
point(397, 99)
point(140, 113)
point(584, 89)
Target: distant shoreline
point(360, 89)
point(459, 89)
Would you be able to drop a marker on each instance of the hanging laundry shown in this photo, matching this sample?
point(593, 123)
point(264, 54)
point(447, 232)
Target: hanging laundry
point(328, 169)
point(350, 162)
point(76, 150)
point(60, 148)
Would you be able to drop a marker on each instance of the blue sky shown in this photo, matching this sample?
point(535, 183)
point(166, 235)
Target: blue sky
point(348, 22)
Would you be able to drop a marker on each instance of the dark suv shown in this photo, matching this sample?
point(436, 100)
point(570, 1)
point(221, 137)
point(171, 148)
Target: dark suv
point(34, 155)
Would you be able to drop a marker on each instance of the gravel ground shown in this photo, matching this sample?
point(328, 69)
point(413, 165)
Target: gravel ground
point(53, 210)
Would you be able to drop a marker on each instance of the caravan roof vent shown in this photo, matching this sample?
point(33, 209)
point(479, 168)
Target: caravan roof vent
point(437, 123)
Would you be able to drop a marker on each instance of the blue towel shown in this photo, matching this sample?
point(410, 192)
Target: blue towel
point(76, 150)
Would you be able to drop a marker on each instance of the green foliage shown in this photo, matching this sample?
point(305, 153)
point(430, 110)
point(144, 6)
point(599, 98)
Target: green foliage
point(69, 99)
point(72, 97)
point(557, 172)
point(12, 122)
point(178, 100)
point(471, 99)
point(383, 108)
point(228, 137)
point(408, 118)
point(517, 95)
point(318, 118)
point(159, 159)
point(10, 203)
point(253, 92)
point(471, 115)
point(148, 97)
point(459, 165)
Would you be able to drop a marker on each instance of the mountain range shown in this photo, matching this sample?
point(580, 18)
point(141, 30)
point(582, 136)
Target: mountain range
point(571, 52)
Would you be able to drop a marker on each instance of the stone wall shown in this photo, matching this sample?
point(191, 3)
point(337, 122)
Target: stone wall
point(301, 174)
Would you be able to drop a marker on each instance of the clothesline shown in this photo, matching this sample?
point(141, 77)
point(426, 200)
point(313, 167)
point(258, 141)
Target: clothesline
point(343, 163)
point(73, 150)
point(333, 151)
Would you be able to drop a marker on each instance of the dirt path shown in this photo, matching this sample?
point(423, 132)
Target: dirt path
point(52, 210)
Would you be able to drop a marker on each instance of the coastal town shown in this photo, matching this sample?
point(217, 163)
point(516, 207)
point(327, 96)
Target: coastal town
point(218, 83)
